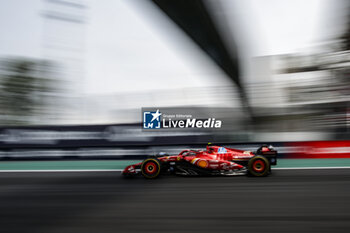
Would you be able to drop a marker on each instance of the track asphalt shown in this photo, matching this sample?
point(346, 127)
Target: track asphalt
point(102, 202)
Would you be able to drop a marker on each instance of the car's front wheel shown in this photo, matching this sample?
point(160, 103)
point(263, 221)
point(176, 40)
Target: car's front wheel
point(150, 168)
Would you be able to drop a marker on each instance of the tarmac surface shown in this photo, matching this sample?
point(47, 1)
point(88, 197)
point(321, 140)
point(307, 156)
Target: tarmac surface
point(102, 202)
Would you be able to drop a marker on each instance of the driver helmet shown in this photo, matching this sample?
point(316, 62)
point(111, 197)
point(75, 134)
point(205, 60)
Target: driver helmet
point(209, 149)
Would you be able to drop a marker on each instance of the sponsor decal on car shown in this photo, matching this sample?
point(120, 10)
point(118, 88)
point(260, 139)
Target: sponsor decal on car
point(202, 163)
point(222, 150)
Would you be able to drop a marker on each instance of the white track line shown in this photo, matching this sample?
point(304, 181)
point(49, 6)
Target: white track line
point(120, 170)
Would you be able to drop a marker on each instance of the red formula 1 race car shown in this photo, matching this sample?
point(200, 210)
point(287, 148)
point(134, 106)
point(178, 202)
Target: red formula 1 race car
point(215, 160)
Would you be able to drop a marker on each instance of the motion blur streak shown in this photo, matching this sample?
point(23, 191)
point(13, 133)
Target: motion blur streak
point(287, 201)
point(102, 62)
point(76, 74)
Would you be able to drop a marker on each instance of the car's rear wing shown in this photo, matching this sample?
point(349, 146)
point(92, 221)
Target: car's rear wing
point(269, 152)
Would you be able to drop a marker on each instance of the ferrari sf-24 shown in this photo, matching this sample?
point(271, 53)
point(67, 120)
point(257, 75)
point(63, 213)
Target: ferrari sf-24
point(214, 160)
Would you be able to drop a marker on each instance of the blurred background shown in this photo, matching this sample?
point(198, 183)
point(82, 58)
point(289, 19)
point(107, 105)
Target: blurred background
point(272, 70)
point(75, 75)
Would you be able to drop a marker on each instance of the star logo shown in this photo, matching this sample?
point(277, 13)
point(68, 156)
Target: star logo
point(151, 120)
point(156, 115)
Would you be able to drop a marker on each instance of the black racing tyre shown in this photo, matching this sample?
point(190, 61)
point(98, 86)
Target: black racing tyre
point(150, 168)
point(258, 166)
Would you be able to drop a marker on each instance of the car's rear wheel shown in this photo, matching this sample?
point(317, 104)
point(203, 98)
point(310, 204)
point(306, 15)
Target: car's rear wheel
point(150, 168)
point(258, 166)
